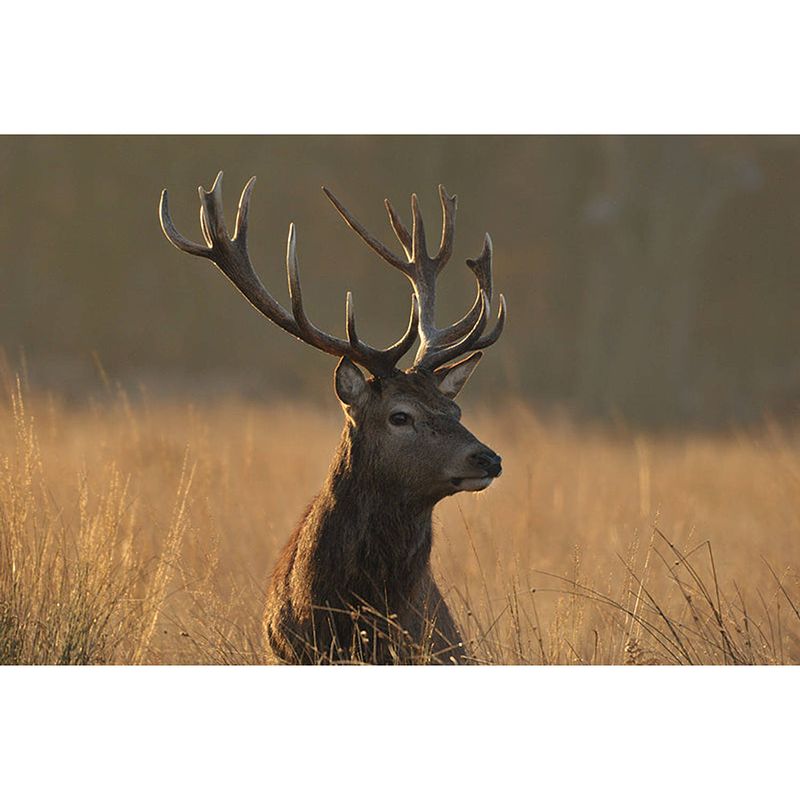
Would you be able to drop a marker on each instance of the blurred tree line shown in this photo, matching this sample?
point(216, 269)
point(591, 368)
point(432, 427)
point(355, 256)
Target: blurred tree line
point(650, 279)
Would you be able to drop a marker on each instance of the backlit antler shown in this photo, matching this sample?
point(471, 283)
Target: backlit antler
point(231, 256)
point(437, 345)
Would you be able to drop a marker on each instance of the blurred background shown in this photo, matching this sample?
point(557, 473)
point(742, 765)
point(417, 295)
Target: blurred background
point(651, 281)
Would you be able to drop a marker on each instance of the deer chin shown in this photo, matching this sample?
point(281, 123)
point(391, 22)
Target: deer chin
point(471, 484)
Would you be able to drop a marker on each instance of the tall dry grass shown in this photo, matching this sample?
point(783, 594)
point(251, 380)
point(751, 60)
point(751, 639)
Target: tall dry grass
point(144, 532)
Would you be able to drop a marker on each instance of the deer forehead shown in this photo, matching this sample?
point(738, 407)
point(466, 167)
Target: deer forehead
point(410, 392)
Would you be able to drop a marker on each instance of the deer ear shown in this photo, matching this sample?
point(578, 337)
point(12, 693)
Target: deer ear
point(349, 382)
point(452, 379)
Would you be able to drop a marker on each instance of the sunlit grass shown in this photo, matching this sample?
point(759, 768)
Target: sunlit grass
point(144, 532)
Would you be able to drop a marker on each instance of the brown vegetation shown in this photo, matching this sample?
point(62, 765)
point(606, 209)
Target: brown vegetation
point(145, 533)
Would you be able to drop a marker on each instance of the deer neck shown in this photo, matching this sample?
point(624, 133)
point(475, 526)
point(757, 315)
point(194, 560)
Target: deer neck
point(353, 474)
point(365, 528)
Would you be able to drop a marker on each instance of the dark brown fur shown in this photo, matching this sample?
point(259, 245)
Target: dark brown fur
point(354, 581)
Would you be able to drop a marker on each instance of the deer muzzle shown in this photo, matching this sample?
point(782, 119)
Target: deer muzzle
point(484, 466)
point(488, 461)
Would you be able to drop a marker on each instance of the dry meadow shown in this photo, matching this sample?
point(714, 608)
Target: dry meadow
point(137, 531)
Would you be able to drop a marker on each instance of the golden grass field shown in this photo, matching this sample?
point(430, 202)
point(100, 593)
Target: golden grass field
point(143, 532)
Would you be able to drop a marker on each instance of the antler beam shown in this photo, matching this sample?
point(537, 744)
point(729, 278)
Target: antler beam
point(232, 258)
point(437, 346)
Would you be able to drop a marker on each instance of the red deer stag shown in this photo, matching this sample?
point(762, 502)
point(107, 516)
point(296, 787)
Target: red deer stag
point(354, 581)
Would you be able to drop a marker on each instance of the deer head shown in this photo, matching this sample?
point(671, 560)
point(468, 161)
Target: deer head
point(406, 422)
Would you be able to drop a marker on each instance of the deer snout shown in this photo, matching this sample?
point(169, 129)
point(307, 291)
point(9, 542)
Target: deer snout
point(487, 460)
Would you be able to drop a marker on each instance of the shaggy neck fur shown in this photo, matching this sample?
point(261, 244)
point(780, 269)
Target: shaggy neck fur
point(354, 582)
point(363, 537)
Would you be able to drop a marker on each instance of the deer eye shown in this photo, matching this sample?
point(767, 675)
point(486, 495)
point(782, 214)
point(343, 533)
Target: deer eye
point(400, 418)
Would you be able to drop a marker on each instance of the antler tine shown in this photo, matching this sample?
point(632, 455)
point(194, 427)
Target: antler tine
point(490, 338)
point(499, 326)
point(449, 203)
point(419, 248)
point(212, 214)
point(350, 321)
point(458, 330)
point(384, 252)
point(393, 353)
point(174, 236)
point(231, 256)
point(438, 354)
point(440, 346)
point(481, 268)
point(308, 330)
point(379, 362)
point(437, 346)
point(243, 212)
point(399, 229)
point(403, 344)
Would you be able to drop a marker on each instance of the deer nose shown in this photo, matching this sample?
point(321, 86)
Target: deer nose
point(488, 460)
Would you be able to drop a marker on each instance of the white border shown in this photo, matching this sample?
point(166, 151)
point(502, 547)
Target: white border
point(413, 67)
point(491, 67)
point(212, 732)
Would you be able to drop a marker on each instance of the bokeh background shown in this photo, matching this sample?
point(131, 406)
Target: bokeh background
point(651, 281)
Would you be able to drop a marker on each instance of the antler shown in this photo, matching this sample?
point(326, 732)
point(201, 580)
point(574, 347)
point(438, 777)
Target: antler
point(437, 345)
point(231, 256)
